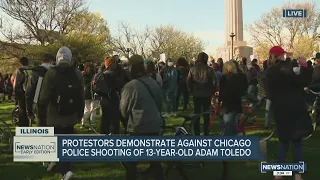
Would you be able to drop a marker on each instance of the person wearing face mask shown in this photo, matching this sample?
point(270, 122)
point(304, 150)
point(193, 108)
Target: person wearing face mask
point(285, 90)
point(170, 83)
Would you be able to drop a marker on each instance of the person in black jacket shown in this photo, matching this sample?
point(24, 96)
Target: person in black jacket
point(315, 85)
point(183, 70)
point(32, 92)
point(202, 83)
point(110, 102)
point(252, 75)
point(293, 122)
point(232, 85)
point(19, 90)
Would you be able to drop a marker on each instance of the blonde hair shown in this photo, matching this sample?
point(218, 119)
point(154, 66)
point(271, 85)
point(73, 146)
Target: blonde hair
point(272, 60)
point(229, 68)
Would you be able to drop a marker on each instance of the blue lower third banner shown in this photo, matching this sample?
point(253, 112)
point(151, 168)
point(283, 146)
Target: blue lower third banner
point(134, 148)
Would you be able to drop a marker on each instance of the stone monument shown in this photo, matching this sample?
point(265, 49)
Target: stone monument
point(234, 24)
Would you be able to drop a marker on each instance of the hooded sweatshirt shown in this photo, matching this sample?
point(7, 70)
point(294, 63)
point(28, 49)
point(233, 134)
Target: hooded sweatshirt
point(63, 60)
point(32, 86)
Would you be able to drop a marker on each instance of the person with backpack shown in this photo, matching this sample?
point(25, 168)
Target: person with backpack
point(151, 69)
point(19, 91)
point(141, 104)
point(108, 85)
point(90, 102)
point(63, 96)
point(202, 83)
point(34, 88)
point(183, 71)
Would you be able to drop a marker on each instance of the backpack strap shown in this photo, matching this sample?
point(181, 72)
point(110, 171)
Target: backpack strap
point(151, 94)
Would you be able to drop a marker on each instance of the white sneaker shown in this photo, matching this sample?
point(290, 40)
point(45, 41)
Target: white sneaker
point(239, 134)
point(67, 176)
point(51, 166)
point(165, 115)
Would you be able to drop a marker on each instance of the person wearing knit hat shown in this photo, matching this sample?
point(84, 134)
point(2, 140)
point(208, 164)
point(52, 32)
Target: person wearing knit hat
point(140, 106)
point(292, 120)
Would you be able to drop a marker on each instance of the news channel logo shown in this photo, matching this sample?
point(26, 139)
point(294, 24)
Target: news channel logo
point(35, 149)
point(294, 13)
point(283, 169)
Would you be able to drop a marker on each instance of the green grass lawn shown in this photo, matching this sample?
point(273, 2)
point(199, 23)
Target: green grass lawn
point(245, 170)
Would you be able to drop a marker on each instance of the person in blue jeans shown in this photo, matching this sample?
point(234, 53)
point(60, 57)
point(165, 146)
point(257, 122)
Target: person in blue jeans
point(170, 83)
point(230, 94)
point(232, 87)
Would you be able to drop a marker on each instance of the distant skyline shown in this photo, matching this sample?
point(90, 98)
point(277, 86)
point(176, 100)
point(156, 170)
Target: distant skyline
point(204, 18)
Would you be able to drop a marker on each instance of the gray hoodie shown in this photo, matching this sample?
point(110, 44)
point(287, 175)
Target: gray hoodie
point(63, 59)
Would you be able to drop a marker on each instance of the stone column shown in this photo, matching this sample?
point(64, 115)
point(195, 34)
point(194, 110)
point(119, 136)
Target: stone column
point(234, 20)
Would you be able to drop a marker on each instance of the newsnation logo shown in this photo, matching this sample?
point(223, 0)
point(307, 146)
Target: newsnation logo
point(35, 144)
point(283, 169)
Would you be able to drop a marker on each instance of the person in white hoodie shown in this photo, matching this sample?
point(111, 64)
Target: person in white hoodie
point(62, 95)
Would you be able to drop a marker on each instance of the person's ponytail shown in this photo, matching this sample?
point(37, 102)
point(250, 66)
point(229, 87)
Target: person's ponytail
point(271, 60)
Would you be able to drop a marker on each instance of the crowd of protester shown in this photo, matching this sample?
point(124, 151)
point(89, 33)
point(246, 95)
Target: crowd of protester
point(134, 93)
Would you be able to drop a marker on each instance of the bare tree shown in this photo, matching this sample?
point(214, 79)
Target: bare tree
point(41, 17)
point(164, 39)
point(143, 44)
point(130, 38)
point(271, 29)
